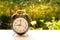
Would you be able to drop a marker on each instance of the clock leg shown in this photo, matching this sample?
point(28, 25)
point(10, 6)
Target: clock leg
point(25, 35)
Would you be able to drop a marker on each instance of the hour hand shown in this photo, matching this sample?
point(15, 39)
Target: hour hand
point(18, 25)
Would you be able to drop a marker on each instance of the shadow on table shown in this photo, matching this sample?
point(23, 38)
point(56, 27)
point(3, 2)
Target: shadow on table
point(23, 37)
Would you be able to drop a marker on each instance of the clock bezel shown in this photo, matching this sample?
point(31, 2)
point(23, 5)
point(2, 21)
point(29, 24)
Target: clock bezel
point(24, 31)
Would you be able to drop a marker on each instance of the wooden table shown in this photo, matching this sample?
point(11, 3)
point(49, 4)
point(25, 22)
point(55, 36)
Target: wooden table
point(30, 35)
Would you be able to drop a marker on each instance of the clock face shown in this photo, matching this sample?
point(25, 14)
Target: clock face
point(20, 25)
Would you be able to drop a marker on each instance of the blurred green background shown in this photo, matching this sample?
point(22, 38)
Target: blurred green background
point(45, 14)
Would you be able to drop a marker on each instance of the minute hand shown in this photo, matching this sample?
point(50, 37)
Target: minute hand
point(20, 22)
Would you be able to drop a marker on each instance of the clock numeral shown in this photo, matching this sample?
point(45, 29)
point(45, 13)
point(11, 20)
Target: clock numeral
point(25, 27)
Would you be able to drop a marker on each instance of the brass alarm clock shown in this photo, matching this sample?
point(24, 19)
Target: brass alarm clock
point(20, 22)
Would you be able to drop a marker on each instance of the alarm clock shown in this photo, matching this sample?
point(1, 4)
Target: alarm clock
point(20, 22)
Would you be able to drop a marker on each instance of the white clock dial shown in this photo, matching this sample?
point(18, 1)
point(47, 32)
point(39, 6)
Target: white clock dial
point(20, 25)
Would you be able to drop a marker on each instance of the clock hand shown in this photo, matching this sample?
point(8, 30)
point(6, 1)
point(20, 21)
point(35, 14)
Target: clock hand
point(20, 22)
point(18, 25)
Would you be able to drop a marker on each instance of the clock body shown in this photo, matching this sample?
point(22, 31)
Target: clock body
point(20, 22)
point(20, 25)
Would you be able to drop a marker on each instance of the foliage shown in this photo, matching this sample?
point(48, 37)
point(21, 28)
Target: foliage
point(53, 25)
point(4, 21)
point(42, 11)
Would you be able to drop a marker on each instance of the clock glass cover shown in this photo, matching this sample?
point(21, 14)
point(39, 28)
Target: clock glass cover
point(20, 25)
